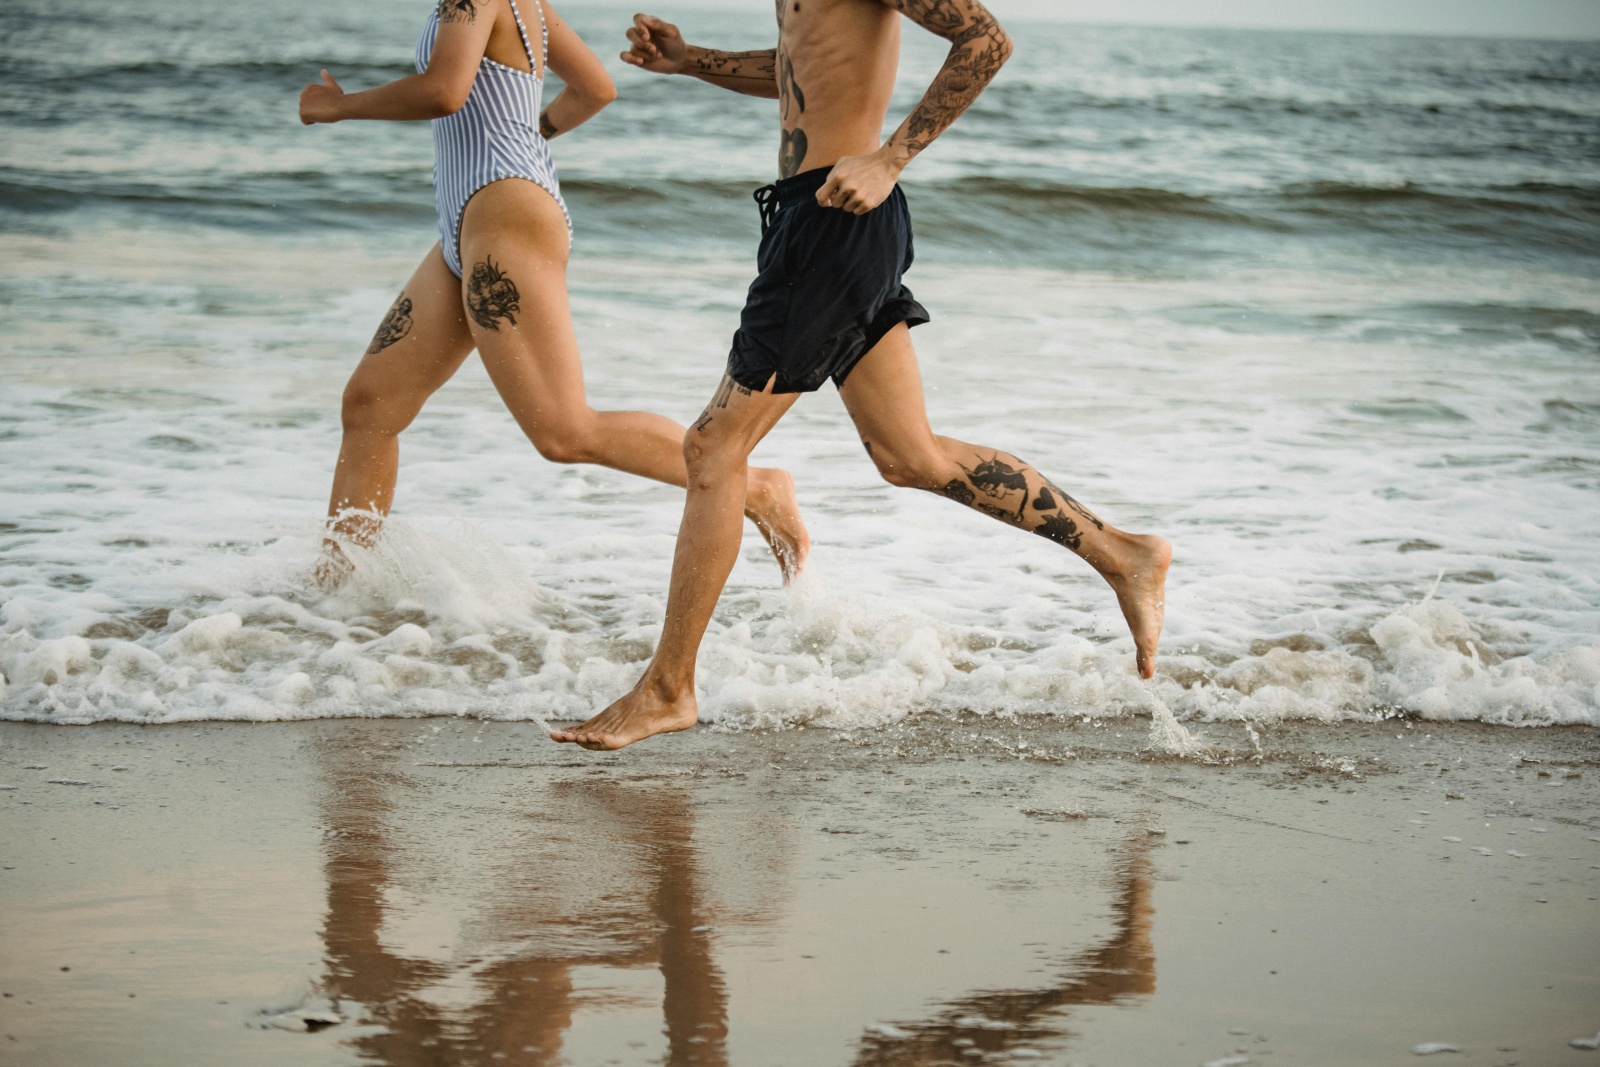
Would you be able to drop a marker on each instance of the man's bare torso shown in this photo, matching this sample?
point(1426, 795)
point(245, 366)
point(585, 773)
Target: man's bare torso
point(836, 68)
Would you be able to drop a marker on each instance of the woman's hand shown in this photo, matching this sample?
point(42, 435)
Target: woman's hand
point(320, 102)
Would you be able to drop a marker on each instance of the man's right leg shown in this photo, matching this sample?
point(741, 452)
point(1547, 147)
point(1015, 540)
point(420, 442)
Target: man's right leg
point(884, 397)
point(716, 451)
point(422, 342)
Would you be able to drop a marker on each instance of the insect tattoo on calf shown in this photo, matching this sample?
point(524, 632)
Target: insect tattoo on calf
point(458, 10)
point(1061, 530)
point(396, 324)
point(491, 296)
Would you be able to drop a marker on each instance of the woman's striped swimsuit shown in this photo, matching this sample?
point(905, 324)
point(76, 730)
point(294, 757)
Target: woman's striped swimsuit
point(495, 135)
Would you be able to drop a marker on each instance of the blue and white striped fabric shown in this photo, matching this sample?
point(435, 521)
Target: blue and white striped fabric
point(495, 135)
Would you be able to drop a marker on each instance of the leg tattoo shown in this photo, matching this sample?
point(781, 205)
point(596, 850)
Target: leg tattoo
point(492, 296)
point(396, 324)
point(724, 394)
point(959, 491)
point(1038, 506)
point(996, 478)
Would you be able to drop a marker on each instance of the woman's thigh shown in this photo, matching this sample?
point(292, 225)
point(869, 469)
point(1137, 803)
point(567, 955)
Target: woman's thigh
point(514, 290)
point(421, 342)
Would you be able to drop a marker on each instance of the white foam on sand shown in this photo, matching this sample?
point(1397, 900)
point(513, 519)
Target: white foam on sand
point(438, 619)
point(1358, 531)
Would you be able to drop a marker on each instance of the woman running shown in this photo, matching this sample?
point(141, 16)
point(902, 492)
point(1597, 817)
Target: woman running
point(496, 281)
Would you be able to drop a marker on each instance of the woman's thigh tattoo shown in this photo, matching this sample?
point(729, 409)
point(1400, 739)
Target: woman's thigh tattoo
point(492, 296)
point(396, 324)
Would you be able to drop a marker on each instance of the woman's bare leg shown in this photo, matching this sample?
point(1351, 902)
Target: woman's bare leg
point(422, 342)
point(514, 260)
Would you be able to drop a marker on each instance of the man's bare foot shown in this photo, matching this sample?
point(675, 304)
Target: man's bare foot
point(644, 712)
point(772, 506)
point(1140, 583)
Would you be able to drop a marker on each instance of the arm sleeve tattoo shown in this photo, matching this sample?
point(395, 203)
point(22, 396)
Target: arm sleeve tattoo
point(978, 48)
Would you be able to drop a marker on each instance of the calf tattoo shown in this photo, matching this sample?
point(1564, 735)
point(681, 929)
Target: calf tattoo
point(396, 324)
point(1061, 530)
point(1046, 501)
point(988, 488)
point(458, 10)
point(996, 478)
point(959, 491)
point(491, 296)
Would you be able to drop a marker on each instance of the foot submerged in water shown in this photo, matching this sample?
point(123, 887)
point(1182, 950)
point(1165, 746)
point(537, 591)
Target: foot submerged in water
point(773, 507)
point(333, 567)
point(1140, 583)
point(644, 712)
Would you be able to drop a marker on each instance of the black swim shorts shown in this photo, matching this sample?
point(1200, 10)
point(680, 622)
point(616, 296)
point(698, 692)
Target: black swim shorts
point(827, 290)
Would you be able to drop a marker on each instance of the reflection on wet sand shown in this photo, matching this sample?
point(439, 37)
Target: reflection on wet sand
point(608, 875)
point(1123, 967)
point(523, 998)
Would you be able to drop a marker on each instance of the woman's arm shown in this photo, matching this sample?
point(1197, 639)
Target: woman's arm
point(588, 87)
point(440, 90)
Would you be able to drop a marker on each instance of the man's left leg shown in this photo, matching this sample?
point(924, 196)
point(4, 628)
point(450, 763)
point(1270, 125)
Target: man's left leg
point(884, 396)
point(716, 452)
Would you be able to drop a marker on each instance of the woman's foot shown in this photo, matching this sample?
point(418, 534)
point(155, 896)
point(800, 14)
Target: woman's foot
point(646, 711)
point(772, 506)
point(333, 566)
point(1140, 582)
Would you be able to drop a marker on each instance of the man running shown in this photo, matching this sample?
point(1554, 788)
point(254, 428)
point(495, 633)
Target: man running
point(828, 302)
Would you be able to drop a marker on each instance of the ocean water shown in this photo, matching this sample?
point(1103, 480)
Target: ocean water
point(1324, 310)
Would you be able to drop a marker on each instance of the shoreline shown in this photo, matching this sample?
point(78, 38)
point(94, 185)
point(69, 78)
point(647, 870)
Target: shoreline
point(952, 889)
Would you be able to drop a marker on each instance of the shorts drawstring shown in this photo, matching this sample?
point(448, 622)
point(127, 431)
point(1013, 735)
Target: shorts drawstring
point(766, 199)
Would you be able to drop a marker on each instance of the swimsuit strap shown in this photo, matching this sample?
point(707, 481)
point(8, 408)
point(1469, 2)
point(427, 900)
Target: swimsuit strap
point(544, 32)
point(522, 31)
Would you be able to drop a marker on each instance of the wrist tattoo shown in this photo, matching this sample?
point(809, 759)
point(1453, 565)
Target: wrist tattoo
point(547, 129)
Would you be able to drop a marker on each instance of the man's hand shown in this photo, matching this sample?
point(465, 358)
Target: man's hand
point(319, 102)
point(657, 46)
point(858, 184)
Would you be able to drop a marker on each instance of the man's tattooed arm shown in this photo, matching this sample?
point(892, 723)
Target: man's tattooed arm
point(978, 48)
point(751, 73)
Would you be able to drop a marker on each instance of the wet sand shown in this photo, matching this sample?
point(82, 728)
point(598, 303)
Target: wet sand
point(946, 892)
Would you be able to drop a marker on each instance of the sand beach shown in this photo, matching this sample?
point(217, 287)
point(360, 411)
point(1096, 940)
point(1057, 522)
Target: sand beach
point(955, 891)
